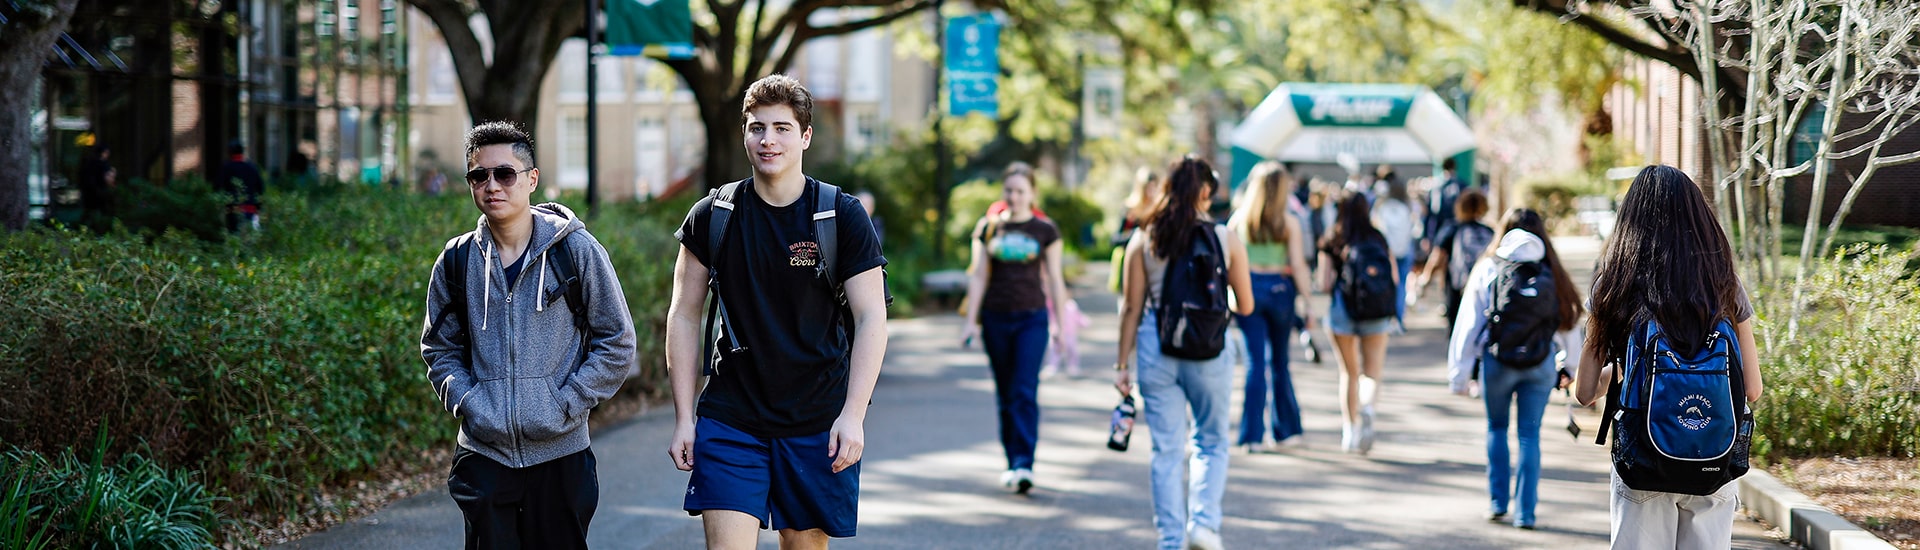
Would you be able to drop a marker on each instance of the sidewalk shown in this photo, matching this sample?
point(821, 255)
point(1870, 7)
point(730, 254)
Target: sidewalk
point(933, 463)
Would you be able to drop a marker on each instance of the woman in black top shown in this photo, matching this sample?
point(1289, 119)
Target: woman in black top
point(1013, 276)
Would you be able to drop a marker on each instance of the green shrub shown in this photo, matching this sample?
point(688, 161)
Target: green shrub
point(189, 205)
point(70, 502)
point(1846, 381)
point(278, 363)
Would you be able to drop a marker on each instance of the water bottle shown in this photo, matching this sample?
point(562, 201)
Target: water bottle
point(1122, 428)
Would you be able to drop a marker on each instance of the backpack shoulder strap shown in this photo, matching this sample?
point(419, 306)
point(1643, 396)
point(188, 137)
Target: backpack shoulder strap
point(568, 271)
point(826, 232)
point(717, 219)
point(453, 272)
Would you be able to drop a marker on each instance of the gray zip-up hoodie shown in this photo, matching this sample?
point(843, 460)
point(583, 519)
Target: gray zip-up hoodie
point(523, 391)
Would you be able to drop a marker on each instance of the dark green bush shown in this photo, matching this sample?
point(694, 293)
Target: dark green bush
point(189, 205)
point(278, 363)
point(1844, 380)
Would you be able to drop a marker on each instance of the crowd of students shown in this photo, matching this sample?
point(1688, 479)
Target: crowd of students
point(770, 411)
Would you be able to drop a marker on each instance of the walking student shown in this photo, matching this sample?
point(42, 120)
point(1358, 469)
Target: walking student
point(1013, 276)
point(1667, 280)
point(776, 438)
point(522, 374)
point(1394, 216)
point(1519, 301)
point(1455, 250)
point(1178, 361)
point(1277, 262)
point(1357, 267)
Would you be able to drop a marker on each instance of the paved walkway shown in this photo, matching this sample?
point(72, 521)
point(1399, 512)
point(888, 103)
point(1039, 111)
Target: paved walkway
point(933, 463)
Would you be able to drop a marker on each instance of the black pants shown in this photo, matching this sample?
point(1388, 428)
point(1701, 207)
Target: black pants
point(547, 505)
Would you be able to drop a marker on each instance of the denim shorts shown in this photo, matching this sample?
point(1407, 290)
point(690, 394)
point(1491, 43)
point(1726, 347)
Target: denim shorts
point(1339, 323)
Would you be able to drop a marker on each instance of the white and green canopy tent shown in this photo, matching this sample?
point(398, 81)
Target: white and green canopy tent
point(1375, 123)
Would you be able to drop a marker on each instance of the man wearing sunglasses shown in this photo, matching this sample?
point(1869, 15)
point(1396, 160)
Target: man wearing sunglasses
point(526, 331)
point(777, 436)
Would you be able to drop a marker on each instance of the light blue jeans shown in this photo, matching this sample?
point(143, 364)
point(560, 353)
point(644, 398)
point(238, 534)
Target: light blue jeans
point(1170, 388)
point(1502, 388)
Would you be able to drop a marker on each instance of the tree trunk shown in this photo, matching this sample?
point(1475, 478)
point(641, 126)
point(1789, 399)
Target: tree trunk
point(24, 44)
point(726, 152)
point(1822, 167)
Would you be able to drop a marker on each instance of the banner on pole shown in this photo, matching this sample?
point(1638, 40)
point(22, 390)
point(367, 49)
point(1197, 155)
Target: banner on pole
point(654, 28)
point(973, 65)
point(1102, 99)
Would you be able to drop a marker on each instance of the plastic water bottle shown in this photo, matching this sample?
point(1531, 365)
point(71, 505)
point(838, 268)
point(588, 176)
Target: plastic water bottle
point(1122, 428)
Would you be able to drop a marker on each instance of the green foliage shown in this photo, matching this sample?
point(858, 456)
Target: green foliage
point(277, 362)
point(1846, 381)
point(189, 204)
point(70, 502)
point(1553, 197)
point(1890, 236)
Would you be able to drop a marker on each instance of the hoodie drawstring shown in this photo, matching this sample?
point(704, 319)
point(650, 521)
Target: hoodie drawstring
point(540, 297)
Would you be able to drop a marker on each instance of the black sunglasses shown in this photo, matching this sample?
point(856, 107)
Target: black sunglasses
point(506, 175)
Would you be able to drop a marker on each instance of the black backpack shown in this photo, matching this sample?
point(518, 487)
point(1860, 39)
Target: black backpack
point(826, 231)
point(453, 272)
point(1470, 239)
point(1366, 280)
point(1192, 313)
point(1680, 424)
point(1524, 315)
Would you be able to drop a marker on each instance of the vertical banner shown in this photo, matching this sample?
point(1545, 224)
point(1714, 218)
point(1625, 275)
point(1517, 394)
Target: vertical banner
point(1102, 97)
point(973, 65)
point(654, 28)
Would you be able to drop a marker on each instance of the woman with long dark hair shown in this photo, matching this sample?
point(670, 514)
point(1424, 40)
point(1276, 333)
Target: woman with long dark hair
point(1667, 262)
point(1277, 259)
point(1171, 387)
point(1014, 275)
point(1523, 240)
point(1360, 342)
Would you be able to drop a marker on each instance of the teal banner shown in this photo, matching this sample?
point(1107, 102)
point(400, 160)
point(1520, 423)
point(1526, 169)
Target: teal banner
point(973, 65)
point(1376, 106)
point(655, 28)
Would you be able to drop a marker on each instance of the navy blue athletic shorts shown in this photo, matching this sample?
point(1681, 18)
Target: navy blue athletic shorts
point(785, 482)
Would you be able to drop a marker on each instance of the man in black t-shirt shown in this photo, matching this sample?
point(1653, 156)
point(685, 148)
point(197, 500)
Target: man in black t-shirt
point(776, 439)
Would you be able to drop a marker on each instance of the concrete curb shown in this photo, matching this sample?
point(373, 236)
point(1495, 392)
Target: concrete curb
point(1806, 522)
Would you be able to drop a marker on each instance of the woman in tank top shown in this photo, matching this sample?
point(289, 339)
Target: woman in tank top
point(1277, 261)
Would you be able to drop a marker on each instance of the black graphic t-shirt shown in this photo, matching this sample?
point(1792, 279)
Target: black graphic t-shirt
point(792, 378)
point(1017, 253)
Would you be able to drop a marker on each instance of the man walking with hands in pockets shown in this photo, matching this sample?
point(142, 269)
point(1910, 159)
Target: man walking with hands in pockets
point(779, 428)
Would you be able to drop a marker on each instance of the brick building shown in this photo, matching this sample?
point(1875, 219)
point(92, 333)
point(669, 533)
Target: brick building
point(1658, 119)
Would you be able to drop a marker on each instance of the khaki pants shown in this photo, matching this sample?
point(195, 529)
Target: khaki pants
point(1644, 520)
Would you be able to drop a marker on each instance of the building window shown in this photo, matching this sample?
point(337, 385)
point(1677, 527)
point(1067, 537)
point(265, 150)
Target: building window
point(573, 72)
point(573, 150)
point(1806, 137)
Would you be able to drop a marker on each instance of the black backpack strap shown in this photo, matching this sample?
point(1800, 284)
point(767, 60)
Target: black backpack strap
point(453, 272)
point(826, 234)
point(568, 271)
point(717, 218)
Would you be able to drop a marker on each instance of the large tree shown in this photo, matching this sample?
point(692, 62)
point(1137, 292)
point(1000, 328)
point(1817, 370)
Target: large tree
point(503, 82)
point(25, 36)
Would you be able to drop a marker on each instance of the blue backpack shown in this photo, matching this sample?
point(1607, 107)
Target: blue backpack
point(1681, 424)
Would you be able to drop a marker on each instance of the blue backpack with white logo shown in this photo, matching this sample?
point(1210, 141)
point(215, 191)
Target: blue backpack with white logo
point(1681, 424)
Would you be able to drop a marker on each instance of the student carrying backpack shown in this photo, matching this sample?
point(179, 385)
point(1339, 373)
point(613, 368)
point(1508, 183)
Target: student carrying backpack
point(1185, 264)
point(1356, 266)
point(1672, 328)
point(1515, 303)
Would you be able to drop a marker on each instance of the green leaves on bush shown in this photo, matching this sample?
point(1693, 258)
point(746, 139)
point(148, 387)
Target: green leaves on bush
point(70, 502)
point(278, 363)
point(1845, 380)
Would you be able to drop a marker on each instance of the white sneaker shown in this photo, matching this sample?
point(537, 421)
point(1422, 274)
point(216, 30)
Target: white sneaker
point(1020, 480)
point(1347, 438)
point(1365, 443)
point(1202, 538)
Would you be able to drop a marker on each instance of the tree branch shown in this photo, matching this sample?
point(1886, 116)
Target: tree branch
point(1680, 59)
point(469, 59)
